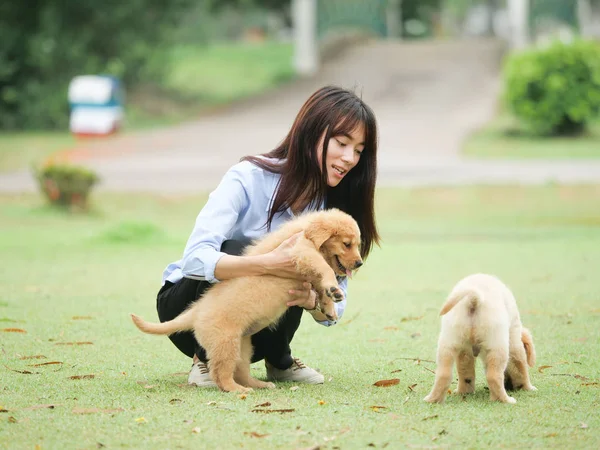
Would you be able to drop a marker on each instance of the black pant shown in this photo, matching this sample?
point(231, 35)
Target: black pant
point(270, 344)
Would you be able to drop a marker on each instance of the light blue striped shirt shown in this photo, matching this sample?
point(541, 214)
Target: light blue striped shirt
point(237, 209)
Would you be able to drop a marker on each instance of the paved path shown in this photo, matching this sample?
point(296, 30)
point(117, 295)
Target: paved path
point(428, 96)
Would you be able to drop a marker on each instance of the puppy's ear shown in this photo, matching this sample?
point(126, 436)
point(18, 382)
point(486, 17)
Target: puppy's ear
point(318, 232)
point(527, 340)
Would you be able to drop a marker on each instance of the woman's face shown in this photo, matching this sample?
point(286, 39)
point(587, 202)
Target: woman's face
point(343, 154)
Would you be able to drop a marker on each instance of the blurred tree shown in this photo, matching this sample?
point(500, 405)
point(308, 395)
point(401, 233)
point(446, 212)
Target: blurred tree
point(44, 43)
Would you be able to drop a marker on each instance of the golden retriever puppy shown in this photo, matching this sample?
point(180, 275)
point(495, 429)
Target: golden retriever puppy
point(480, 318)
point(231, 311)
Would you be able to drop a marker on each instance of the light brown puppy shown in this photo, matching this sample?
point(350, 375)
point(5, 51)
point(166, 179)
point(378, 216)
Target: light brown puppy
point(231, 311)
point(480, 318)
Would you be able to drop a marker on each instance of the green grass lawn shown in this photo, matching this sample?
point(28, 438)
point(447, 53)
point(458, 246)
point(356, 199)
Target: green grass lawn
point(201, 78)
point(82, 376)
point(224, 72)
point(18, 150)
point(504, 138)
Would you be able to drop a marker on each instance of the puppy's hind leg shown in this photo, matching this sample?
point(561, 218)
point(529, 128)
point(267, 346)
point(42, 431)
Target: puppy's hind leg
point(465, 366)
point(517, 369)
point(242, 372)
point(495, 364)
point(223, 356)
point(443, 376)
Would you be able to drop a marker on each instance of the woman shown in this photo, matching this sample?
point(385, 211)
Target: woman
point(328, 159)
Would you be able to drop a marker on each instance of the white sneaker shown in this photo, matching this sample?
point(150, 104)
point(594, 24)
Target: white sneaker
point(199, 375)
point(298, 373)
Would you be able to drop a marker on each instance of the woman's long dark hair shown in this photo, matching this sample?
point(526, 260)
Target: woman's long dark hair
point(331, 111)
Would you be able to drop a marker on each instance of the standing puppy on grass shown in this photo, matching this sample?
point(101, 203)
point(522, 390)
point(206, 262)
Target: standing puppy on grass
point(480, 318)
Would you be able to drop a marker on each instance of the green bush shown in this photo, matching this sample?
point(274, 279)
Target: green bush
point(555, 89)
point(66, 185)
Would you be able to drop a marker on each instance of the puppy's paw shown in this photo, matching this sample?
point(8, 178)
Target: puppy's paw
point(511, 400)
point(335, 293)
point(242, 390)
point(432, 399)
point(530, 388)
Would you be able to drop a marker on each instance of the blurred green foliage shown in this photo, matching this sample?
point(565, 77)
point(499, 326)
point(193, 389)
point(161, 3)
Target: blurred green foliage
point(44, 43)
point(555, 89)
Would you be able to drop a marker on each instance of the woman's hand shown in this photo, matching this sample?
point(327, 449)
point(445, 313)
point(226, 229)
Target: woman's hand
point(305, 298)
point(279, 262)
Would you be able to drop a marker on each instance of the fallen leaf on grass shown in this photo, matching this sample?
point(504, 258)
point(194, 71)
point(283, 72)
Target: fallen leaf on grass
point(395, 371)
point(583, 425)
point(542, 368)
point(196, 430)
point(418, 360)
point(595, 383)
point(49, 363)
point(376, 408)
point(412, 387)
point(141, 420)
point(386, 383)
point(25, 372)
point(415, 335)
point(174, 400)
point(13, 330)
point(95, 410)
point(82, 377)
point(407, 319)
point(242, 396)
point(11, 419)
point(263, 405)
point(551, 435)
point(294, 388)
point(74, 343)
point(82, 318)
point(322, 402)
point(254, 434)
point(145, 385)
point(33, 357)
point(269, 411)
point(435, 416)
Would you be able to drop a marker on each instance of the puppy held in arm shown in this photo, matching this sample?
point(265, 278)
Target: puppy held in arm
point(224, 319)
point(480, 318)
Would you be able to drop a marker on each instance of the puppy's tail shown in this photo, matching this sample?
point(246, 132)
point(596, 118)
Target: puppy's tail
point(182, 322)
point(471, 295)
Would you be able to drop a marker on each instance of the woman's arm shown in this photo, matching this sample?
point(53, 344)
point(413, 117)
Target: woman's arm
point(278, 262)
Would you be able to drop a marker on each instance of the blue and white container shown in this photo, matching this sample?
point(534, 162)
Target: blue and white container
point(96, 103)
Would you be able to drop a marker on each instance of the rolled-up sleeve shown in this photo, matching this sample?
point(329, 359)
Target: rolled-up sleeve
point(340, 307)
point(214, 225)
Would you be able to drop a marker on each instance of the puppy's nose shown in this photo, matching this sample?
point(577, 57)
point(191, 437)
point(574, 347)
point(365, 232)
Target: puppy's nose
point(357, 264)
